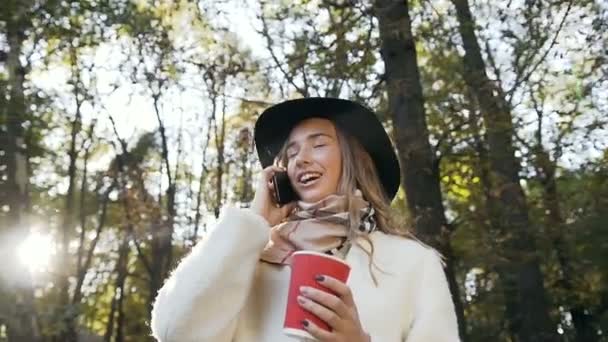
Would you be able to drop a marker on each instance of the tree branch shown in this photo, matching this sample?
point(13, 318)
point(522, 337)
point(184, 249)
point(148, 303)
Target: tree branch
point(269, 43)
point(518, 82)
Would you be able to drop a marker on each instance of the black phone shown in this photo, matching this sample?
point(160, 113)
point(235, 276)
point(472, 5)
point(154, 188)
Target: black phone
point(284, 192)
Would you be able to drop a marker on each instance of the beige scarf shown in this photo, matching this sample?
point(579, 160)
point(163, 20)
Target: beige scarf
point(320, 227)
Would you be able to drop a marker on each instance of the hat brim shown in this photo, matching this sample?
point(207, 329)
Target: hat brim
point(275, 124)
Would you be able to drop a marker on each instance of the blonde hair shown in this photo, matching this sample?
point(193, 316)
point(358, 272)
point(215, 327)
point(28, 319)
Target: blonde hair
point(359, 172)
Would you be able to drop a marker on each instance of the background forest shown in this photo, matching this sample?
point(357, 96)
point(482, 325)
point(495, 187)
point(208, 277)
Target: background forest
point(126, 125)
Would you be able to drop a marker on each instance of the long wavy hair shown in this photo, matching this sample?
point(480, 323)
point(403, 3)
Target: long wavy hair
point(359, 172)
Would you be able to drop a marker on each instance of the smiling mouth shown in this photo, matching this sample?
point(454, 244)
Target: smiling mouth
point(308, 178)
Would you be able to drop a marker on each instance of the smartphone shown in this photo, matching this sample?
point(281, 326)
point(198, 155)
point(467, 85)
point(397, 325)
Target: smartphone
point(284, 192)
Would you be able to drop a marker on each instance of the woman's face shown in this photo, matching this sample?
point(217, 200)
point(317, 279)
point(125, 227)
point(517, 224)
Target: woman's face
point(314, 162)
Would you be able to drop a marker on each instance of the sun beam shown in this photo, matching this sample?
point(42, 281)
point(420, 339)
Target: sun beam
point(35, 251)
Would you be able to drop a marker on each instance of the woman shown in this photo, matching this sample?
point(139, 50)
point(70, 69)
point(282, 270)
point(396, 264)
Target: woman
point(340, 162)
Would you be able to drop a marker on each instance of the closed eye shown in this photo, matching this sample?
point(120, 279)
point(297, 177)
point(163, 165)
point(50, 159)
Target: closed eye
point(291, 152)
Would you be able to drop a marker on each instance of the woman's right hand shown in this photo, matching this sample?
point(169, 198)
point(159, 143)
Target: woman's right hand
point(264, 202)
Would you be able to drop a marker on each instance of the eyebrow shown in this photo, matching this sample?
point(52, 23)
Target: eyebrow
point(309, 137)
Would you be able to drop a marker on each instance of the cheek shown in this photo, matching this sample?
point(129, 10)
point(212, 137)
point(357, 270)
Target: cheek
point(333, 163)
point(291, 173)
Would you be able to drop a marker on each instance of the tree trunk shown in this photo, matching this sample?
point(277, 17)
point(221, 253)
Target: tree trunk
point(202, 177)
point(526, 298)
point(163, 230)
point(86, 263)
point(69, 215)
point(116, 316)
point(244, 148)
point(554, 223)
point(83, 263)
point(483, 167)
point(419, 166)
point(124, 163)
point(220, 133)
point(120, 319)
point(21, 318)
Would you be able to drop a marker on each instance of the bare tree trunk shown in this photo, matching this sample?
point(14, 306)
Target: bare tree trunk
point(163, 232)
point(69, 215)
point(120, 319)
point(110, 323)
point(201, 180)
point(526, 298)
point(483, 165)
point(122, 171)
point(419, 166)
point(119, 284)
point(219, 133)
point(82, 262)
point(221, 156)
point(554, 226)
point(86, 264)
point(581, 317)
point(244, 146)
point(82, 202)
point(21, 318)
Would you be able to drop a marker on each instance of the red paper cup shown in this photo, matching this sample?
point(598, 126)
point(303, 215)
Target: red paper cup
point(305, 267)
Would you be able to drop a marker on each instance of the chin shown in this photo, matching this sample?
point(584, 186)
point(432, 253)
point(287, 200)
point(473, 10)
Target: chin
point(312, 197)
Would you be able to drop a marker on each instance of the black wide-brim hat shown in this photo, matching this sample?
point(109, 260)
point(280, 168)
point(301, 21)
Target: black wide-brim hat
point(275, 124)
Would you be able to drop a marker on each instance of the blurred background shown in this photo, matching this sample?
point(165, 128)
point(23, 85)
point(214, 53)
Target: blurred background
point(125, 126)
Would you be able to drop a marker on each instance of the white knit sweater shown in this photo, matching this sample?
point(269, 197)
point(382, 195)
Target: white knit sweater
point(221, 292)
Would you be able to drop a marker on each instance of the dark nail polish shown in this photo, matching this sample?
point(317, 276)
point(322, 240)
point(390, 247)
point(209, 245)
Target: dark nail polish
point(305, 323)
point(319, 278)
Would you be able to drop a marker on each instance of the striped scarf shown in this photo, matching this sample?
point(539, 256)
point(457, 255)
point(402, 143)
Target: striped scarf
point(319, 227)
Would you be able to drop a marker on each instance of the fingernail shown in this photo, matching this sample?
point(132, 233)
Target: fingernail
point(319, 278)
point(301, 300)
point(305, 323)
point(303, 289)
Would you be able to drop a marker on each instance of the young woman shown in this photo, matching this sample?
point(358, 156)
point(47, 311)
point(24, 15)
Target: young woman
point(340, 162)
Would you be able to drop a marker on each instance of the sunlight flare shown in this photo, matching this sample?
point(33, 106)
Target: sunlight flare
point(35, 251)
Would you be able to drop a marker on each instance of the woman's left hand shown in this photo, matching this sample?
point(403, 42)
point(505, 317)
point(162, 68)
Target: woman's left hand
point(339, 312)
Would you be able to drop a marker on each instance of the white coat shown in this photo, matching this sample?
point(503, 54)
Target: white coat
point(221, 292)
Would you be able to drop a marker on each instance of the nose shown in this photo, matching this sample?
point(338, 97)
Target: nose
point(303, 157)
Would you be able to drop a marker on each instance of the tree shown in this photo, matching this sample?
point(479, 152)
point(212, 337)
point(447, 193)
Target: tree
point(528, 309)
point(420, 168)
point(21, 320)
point(322, 49)
point(69, 213)
point(124, 121)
